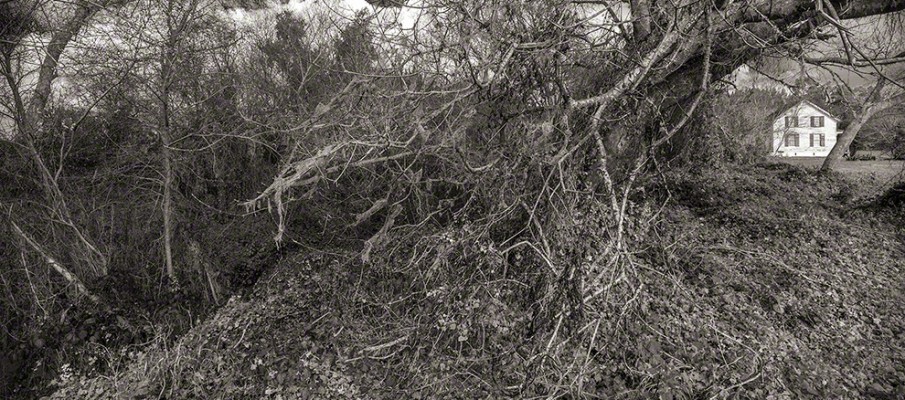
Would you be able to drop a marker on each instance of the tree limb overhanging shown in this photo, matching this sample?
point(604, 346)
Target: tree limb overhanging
point(857, 62)
point(670, 50)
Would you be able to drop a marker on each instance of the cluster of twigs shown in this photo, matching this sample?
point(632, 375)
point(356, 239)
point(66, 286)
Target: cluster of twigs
point(500, 237)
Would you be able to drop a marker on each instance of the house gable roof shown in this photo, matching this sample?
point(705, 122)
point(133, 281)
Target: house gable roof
point(788, 107)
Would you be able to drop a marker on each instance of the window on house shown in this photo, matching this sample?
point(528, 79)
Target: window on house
point(791, 122)
point(818, 140)
point(792, 140)
point(817, 122)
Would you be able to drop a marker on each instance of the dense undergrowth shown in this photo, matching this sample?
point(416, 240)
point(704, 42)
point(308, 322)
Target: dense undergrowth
point(756, 282)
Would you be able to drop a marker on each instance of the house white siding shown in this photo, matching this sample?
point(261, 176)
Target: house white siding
point(807, 131)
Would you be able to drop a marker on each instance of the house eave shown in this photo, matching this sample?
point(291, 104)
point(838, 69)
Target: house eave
point(785, 111)
point(825, 112)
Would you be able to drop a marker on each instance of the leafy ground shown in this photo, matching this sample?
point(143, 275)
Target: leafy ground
point(806, 271)
point(763, 282)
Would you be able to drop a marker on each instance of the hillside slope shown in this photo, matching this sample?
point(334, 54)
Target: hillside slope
point(765, 282)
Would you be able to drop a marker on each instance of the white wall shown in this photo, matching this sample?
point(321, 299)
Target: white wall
point(804, 111)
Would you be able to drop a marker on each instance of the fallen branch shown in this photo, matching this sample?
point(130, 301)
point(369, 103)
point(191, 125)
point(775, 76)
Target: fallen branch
point(387, 225)
point(56, 265)
point(294, 175)
point(378, 347)
point(367, 214)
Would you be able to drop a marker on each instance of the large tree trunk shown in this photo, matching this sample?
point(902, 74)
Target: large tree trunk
point(844, 140)
point(872, 105)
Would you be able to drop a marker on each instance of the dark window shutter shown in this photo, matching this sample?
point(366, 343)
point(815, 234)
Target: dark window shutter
point(822, 141)
point(792, 140)
point(812, 140)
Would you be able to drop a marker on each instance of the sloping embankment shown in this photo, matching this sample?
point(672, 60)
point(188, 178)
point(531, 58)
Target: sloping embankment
point(766, 282)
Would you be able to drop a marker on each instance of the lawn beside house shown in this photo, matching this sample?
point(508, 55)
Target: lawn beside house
point(873, 176)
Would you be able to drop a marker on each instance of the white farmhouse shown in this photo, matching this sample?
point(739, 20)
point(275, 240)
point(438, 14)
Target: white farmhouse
point(804, 130)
